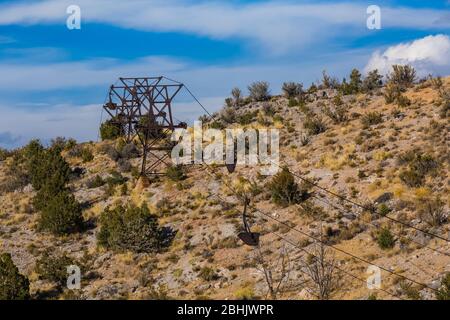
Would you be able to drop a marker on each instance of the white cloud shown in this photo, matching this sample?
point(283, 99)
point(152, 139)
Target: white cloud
point(428, 55)
point(278, 26)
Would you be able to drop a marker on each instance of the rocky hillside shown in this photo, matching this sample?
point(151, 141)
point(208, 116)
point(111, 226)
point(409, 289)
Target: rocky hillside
point(392, 158)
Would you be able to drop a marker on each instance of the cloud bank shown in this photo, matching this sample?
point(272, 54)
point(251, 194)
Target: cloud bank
point(428, 55)
point(277, 26)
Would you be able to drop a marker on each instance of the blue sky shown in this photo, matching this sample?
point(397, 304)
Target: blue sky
point(54, 80)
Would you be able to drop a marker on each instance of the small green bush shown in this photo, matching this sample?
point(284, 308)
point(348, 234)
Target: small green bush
point(383, 210)
point(385, 239)
point(110, 130)
point(285, 190)
point(131, 228)
point(208, 274)
point(392, 92)
point(87, 155)
point(247, 118)
point(13, 285)
point(432, 211)
point(96, 182)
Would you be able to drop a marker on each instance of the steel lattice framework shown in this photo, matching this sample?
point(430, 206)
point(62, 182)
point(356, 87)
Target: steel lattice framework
point(142, 109)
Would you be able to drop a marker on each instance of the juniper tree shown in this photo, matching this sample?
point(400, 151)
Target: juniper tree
point(13, 285)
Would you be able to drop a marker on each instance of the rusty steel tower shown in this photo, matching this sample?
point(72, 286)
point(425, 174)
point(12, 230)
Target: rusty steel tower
point(142, 109)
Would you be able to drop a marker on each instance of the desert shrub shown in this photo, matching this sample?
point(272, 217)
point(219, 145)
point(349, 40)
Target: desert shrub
point(208, 274)
point(285, 190)
point(444, 111)
point(130, 228)
point(419, 165)
point(424, 163)
point(115, 179)
point(268, 110)
point(175, 173)
point(412, 178)
point(259, 91)
point(25, 161)
point(292, 89)
point(124, 165)
point(229, 102)
point(314, 124)
point(4, 154)
point(53, 267)
point(392, 92)
point(432, 211)
point(76, 151)
point(71, 143)
point(87, 155)
point(371, 118)
point(16, 176)
point(383, 210)
point(293, 102)
point(403, 101)
point(402, 75)
point(372, 81)
point(443, 292)
point(337, 115)
point(247, 118)
point(408, 289)
point(385, 239)
point(236, 93)
point(228, 115)
point(95, 182)
point(245, 293)
point(13, 285)
point(110, 130)
point(329, 82)
point(61, 214)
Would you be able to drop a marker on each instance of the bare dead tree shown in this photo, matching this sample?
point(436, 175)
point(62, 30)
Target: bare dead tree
point(276, 274)
point(321, 267)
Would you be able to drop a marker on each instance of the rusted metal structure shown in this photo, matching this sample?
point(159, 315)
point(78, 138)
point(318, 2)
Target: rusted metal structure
point(142, 109)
